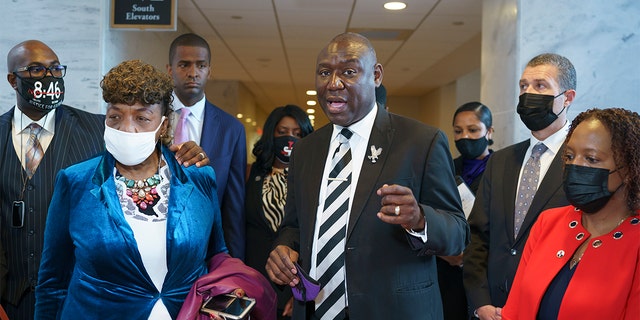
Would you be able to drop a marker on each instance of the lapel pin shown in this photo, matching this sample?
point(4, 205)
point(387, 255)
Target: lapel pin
point(374, 154)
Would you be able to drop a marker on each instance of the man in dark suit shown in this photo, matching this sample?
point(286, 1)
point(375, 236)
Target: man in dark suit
point(68, 135)
point(221, 135)
point(401, 210)
point(547, 89)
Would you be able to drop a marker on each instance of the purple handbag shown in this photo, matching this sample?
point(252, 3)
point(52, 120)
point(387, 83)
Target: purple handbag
point(307, 288)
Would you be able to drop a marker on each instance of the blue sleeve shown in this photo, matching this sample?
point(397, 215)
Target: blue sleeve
point(233, 202)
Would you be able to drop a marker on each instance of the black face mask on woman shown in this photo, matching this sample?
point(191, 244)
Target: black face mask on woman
point(283, 146)
point(472, 148)
point(536, 110)
point(587, 188)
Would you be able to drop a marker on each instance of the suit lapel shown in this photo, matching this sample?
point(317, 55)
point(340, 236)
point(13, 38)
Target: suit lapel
point(210, 127)
point(63, 139)
point(311, 179)
point(5, 135)
point(381, 137)
point(510, 184)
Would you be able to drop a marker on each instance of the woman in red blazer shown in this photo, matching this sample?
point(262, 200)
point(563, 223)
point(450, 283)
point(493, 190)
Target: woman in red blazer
point(583, 261)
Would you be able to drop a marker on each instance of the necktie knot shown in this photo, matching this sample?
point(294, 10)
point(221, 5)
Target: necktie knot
point(35, 128)
point(346, 133)
point(538, 150)
point(184, 113)
point(181, 133)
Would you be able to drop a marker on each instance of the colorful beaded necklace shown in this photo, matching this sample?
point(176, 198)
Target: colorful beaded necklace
point(143, 192)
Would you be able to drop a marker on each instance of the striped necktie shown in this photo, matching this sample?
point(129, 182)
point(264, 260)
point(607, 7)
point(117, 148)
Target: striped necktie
point(34, 150)
point(331, 301)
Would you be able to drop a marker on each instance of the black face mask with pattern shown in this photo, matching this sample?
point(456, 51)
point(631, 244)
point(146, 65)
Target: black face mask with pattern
point(283, 146)
point(44, 94)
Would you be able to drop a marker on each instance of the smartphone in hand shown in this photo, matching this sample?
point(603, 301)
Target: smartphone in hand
point(228, 306)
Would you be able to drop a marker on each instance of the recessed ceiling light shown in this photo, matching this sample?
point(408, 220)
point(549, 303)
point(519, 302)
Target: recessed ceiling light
point(311, 103)
point(311, 92)
point(395, 5)
point(239, 115)
point(248, 120)
point(311, 111)
point(311, 117)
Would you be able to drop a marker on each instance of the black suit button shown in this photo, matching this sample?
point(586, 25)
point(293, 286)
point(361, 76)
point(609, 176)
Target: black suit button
point(513, 252)
point(29, 187)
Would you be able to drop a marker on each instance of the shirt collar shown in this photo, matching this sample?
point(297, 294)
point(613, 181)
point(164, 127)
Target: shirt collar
point(22, 121)
point(553, 142)
point(197, 110)
point(361, 128)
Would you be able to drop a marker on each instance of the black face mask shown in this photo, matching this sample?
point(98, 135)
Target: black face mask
point(587, 188)
point(283, 146)
point(472, 148)
point(536, 110)
point(44, 94)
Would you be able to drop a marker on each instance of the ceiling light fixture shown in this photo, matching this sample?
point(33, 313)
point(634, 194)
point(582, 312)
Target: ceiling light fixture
point(395, 5)
point(239, 115)
point(311, 103)
point(311, 92)
point(311, 111)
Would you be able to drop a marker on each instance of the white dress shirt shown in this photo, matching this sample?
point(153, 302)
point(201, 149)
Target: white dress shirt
point(195, 121)
point(20, 133)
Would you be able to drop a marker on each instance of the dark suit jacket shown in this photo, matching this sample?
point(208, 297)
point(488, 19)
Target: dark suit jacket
point(492, 257)
point(78, 136)
point(224, 140)
point(388, 274)
point(260, 236)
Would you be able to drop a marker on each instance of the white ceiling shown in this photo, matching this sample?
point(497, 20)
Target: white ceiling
point(271, 45)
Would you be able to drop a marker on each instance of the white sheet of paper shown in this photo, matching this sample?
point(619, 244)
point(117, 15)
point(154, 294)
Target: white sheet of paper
point(467, 198)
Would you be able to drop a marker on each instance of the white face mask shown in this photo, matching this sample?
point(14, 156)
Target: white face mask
point(130, 148)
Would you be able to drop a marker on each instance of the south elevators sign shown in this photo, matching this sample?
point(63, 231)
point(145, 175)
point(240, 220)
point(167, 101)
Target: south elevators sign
point(144, 14)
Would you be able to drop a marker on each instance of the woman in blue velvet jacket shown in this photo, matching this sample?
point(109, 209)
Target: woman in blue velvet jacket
point(129, 231)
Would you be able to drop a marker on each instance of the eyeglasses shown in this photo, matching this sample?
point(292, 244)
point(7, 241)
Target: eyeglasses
point(39, 72)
